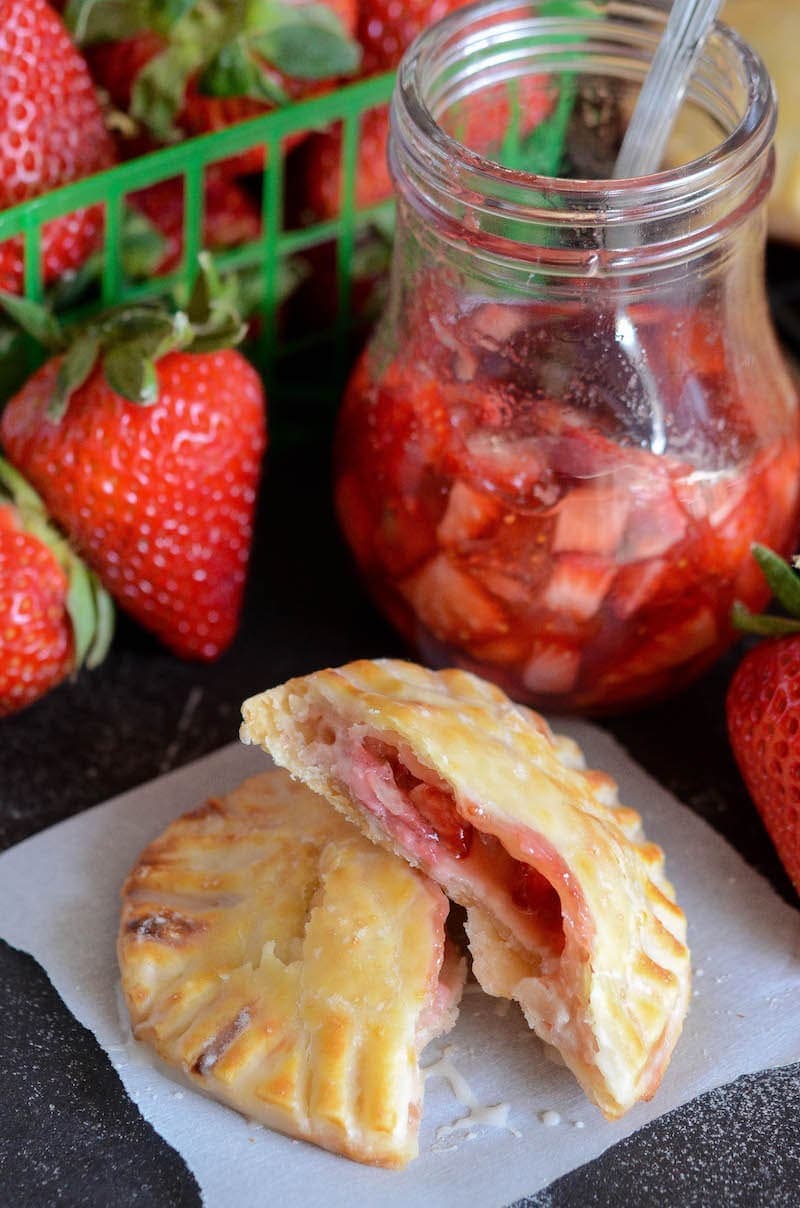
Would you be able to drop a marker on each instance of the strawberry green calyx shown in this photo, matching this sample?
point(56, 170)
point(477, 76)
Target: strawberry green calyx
point(108, 20)
point(785, 585)
point(88, 604)
point(129, 340)
point(233, 48)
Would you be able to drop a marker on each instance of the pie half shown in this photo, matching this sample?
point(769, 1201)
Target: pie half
point(569, 910)
point(289, 968)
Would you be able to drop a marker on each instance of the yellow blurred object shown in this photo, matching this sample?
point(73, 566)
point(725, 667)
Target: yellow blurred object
point(772, 27)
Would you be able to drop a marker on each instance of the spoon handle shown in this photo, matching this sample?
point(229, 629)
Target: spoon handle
point(662, 94)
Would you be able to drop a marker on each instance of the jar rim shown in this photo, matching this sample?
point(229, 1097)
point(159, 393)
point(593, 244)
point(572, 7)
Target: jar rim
point(430, 159)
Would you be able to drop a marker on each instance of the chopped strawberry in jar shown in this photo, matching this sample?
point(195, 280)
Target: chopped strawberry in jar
point(518, 540)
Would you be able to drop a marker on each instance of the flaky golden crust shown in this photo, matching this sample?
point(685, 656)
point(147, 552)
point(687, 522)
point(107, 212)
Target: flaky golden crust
point(289, 968)
point(610, 990)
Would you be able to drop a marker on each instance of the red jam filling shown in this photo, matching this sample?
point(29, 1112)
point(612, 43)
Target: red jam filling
point(533, 894)
point(437, 817)
point(427, 812)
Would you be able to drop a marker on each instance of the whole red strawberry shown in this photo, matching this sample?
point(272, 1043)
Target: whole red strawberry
point(157, 494)
point(386, 28)
point(53, 615)
point(51, 132)
point(320, 167)
point(193, 69)
point(763, 711)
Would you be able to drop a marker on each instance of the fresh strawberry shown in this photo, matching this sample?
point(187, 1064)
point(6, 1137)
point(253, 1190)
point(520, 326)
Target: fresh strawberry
point(321, 172)
point(53, 613)
point(115, 66)
point(230, 216)
point(763, 712)
point(386, 28)
point(51, 132)
point(195, 69)
point(159, 497)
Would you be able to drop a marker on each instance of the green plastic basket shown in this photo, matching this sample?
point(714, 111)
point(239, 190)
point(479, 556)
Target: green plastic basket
point(291, 373)
point(190, 160)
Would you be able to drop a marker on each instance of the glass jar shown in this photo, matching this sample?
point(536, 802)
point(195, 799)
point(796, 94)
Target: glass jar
point(573, 418)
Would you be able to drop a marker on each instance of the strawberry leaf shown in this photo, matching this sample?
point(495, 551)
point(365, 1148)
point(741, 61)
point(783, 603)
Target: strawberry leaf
point(35, 319)
point(81, 607)
point(18, 489)
point(90, 609)
point(75, 367)
point(198, 309)
point(103, 20)
point(763, 626)
point(131, 373)
point(143, 245)
point(783, 581)
point(104, 624)
point(209, 292)
point(234, 71)
point(308, 42)
point(213, 310)
point(224, 333)
point(130, 339)
point(165, 14)
point(159, 91)
point(148, 321)
point(112, 20)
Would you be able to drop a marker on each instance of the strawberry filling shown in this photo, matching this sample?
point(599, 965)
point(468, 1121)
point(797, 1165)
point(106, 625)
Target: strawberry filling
point(420, 811)
point(436, 818)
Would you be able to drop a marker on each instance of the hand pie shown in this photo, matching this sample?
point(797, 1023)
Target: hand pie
point(569, 911)
point(289, 968)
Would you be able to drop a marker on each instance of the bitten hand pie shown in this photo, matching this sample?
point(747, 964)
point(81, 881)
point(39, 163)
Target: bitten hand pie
point(289, 968)
point(569, 910)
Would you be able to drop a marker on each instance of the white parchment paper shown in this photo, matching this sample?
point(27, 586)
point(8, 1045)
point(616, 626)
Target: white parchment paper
point(59, 902)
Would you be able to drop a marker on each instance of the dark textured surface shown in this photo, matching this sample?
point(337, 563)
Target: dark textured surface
point(69, 1134)
point(736, 1146)
point(144, 712)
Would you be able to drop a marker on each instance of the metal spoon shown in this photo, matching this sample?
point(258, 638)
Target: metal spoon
point(646, 138)
point(642, 151)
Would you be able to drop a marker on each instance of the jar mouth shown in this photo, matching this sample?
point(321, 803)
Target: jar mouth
point(501, 41)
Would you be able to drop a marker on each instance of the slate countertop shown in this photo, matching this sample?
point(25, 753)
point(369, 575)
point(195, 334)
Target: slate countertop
point(145, 712)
